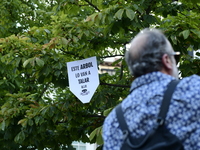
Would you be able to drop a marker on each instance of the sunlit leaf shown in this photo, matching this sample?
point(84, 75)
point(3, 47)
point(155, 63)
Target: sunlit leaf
point(3, 125)
point(39, 62)
point(27, 62)
point(130, 14)
point(20, 137)
point(186, 33)
point(119, 14)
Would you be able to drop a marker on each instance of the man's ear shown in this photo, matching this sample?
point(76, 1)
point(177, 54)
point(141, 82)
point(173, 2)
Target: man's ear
point(167, 62)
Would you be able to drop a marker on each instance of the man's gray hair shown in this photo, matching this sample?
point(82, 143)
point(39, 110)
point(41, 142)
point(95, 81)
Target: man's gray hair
point(149, 54)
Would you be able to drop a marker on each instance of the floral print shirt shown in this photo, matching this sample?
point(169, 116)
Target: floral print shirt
point(142, 105)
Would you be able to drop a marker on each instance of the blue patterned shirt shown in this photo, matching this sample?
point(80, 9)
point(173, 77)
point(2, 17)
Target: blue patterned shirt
point(141, 108)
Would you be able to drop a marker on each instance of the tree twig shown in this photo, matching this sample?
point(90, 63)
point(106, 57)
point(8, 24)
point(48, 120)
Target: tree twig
point(92, 5)
point(96, 116)
point(111, 56)
point(115, 85)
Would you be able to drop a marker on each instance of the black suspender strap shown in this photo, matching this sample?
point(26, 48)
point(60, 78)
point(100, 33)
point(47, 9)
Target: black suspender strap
point(163, 109)
point(120, 117)
point(166, 101)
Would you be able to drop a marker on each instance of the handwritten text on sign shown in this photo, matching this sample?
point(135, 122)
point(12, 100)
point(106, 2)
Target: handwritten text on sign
point(83, 78)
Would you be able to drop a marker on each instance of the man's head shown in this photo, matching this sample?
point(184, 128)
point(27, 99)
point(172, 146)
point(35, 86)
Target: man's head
point(151, 51)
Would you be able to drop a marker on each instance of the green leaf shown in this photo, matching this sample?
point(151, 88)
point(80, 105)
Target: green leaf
point(99, 140)
point(65, 41)
point(75, 39)
point(186, 33)
point(1, 82)
point(39, 62)
point(135, 6)
point(23, 122)
point(99, 136)
point(37, 120)
point(30, 122)
point(51, 111)
point(44, 111)
point(20, 137)
point(32, 62)
point(47, 31)
point(87, 33)
point(34, 40)
point(150, 19)
point(197, 32)
point(26, 62)
point(3, 125)
point(130, 14)
point(93, 17)
point(92, 135)
point(119, 14)
point(18, 60)
point(173, 38)
point(107, 111)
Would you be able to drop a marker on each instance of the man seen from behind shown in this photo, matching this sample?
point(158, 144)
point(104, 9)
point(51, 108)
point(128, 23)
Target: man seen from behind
point(151, 60)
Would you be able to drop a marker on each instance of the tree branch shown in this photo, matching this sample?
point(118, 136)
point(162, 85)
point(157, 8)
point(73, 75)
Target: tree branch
point(76, 55)
point(96, 116)
point(92, 5)
point(111, 56)
point(115, 85)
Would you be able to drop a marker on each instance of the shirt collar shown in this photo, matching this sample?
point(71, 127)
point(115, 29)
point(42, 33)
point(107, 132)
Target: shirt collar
point(148, 78)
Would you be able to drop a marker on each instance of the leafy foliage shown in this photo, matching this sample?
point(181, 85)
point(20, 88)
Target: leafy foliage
point(37, 38)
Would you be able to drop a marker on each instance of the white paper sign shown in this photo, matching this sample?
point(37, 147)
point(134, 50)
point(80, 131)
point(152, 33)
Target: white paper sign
point(83, 78)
